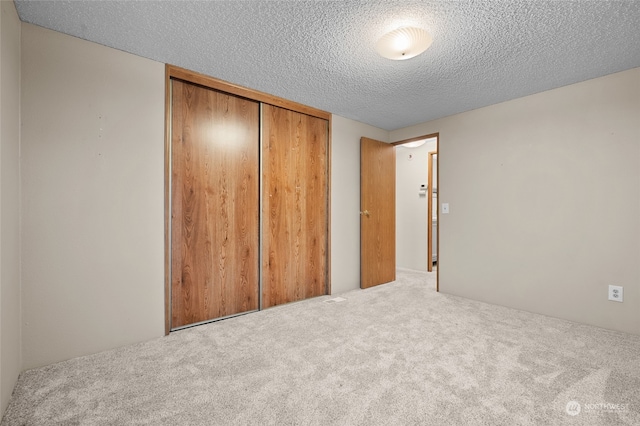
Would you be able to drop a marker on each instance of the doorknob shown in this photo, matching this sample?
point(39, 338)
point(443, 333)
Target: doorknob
point(366, 213)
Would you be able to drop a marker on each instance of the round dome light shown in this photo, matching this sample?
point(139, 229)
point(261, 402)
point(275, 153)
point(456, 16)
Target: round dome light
point(404, 43)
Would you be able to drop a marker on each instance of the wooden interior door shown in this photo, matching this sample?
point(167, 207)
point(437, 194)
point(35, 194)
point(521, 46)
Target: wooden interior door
point(377, 213)
point(294, 206)
point(214, 204)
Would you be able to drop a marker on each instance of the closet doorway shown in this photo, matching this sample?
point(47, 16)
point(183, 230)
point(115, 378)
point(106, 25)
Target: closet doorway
point(246, 200)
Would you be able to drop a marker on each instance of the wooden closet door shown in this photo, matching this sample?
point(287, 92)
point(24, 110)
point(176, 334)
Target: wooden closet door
point(295, 206)
point(215, 204)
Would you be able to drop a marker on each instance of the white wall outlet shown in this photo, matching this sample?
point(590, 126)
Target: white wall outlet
point(445, 208)
point(616, 293)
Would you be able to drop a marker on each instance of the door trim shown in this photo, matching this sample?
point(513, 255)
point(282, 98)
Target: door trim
point(430, 213)
point(260, 202)
point(328, 248)
point(174, 72)
point(418, 138)
point(167, 203)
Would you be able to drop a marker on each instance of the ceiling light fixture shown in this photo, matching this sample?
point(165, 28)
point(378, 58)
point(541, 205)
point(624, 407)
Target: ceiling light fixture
point(404, 43)
point(414, 144)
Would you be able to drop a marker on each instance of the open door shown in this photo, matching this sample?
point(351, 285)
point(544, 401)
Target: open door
point(377, 213)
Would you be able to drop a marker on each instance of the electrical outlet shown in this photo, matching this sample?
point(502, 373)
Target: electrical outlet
point(616, 293)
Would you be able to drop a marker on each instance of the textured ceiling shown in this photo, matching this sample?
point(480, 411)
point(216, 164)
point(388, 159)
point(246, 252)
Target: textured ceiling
point(322, 53)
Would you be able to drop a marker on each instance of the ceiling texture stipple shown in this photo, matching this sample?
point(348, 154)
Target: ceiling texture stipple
point(322, 53)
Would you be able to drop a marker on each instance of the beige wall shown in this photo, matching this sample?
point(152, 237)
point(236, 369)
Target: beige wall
point(10, 362)
point(544, 194)
point(92, 197)
point(345, 200)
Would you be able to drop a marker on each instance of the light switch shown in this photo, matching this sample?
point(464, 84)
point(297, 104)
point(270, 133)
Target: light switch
point(445, 208)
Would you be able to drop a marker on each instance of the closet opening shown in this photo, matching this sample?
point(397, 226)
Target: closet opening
point(247, 181)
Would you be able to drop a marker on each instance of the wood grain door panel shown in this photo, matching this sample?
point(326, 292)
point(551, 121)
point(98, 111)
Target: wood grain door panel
point(294, 206)
point(215, 204)
point(378, 212)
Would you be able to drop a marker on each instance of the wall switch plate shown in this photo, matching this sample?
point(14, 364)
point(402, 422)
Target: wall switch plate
point(445, 208)
point(616, 293)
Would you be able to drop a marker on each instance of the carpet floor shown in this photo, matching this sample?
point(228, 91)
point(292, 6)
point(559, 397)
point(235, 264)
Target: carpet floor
point(399, 353)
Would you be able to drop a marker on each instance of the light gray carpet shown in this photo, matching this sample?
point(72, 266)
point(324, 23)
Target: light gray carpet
point(394, 354)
